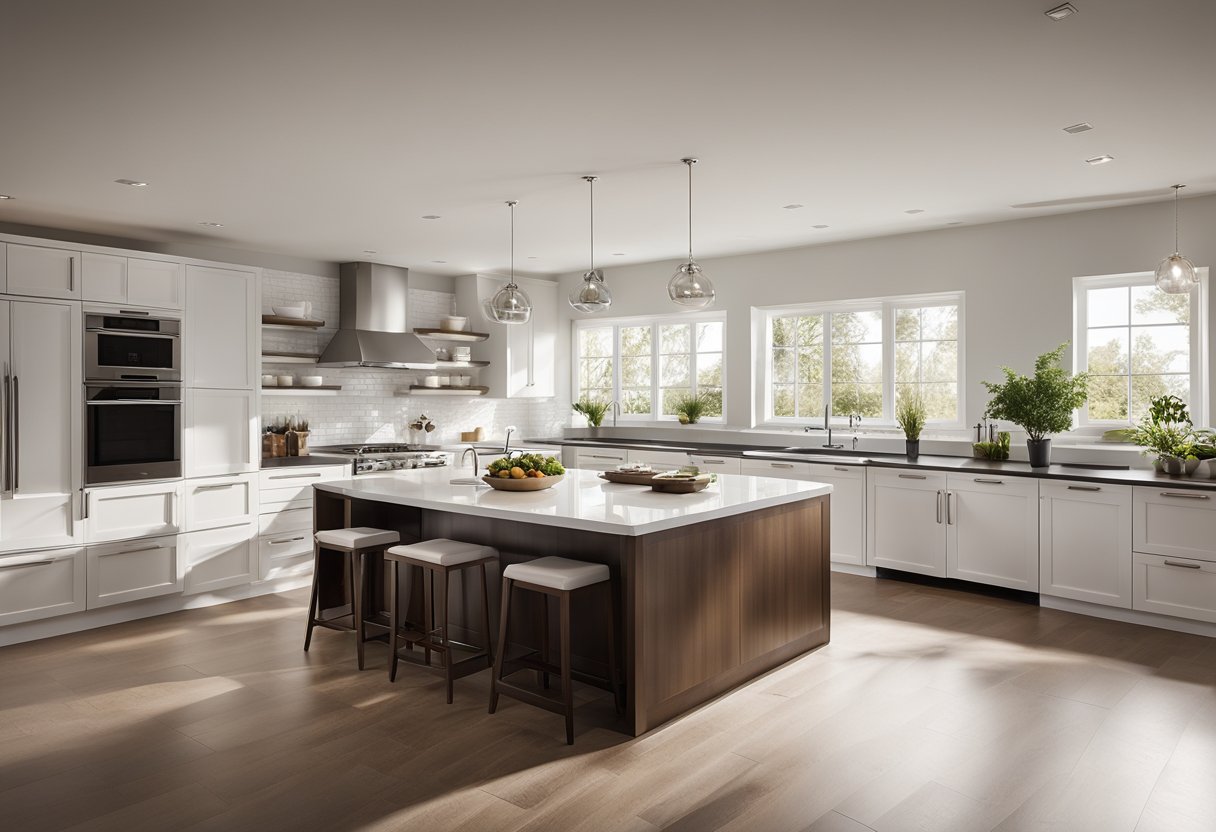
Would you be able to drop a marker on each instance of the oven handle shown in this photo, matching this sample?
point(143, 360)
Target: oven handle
point(134, 333)
point(16, 443)
point(5, 437)
point(109, 402)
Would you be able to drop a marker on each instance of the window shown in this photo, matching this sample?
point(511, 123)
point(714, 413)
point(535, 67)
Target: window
point(1138, 343)
point(648, 364)
point(859, 357)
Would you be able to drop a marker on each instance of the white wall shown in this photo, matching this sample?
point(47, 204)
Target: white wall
point(1017, 277)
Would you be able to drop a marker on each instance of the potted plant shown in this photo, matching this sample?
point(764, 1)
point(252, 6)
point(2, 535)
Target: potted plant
point(689, 409)
point(593, 409)
point(998, 450)
point(1041, 404)
point(910, 416)
point(297, 438)
point(274, 440)
point(1166, 430)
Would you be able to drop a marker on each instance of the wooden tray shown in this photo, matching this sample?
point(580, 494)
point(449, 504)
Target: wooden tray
point(680, 486)
point(526, 484)
point(628, 477)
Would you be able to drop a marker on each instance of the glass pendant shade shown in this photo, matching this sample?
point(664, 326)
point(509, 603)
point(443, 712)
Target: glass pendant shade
point(510, 305)
point(591, 295)
point(690, 287)
point(1176, 275)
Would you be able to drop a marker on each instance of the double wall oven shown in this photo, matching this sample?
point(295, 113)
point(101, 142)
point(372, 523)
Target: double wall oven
point(133, 396)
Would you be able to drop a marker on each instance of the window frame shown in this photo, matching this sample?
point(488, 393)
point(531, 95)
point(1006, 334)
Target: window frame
point(1198, 343)
point(762, 327)
point(654, 322)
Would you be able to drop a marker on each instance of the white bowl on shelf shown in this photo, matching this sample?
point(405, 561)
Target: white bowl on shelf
point(454, 323)
point(295, 310)
point(310, 381)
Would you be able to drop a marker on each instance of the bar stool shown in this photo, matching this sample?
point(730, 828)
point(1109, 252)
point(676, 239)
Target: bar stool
point(354, 545)
point(439, 558)
point(558, 577)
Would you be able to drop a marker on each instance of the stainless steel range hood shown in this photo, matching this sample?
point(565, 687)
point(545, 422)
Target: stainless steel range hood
point(373, 326)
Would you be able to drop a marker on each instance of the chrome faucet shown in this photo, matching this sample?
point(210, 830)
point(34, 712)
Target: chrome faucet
point(470, 450)
point(616, 410)
point(827, 425)
point(506, 445)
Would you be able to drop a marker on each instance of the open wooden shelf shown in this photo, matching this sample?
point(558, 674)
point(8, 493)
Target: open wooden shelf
point(290, 357)
point(290, 323)
point(418, 390)
point(451, 335)
point(458, 365)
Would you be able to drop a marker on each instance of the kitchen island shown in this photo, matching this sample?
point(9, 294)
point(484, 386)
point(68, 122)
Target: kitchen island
point(713, 588)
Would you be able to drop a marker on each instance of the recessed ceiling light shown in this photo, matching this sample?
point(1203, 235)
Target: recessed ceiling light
point(132, 182)
point(819, 226)
point(1062, 11)
point(792, 206)
point(439, 261)
point(915, 211)
point(431, 217)
point(212, 224)
point(6, 196)
point(1080, 127)
point(1100, 160)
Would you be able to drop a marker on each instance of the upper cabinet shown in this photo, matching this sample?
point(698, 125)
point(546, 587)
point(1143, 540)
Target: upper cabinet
point(221, 328)
point(521, 356)
point(42, 272)
point(108, 278)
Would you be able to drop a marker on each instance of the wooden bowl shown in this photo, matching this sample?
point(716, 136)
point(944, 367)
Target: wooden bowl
point(670, 486)
point(525, 484)
point(628, 477)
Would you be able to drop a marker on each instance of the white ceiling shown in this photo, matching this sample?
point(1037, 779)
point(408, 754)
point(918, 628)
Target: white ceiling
point(321, 129)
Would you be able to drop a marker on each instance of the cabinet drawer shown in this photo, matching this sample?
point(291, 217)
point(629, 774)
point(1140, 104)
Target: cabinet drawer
point(41, 584)
point(660, 460)
point(286, 520)
point(715, 464)
point(600, 459)
point(301, 475)
point(1174, 521)
point(219, 558)
point(779, 468)
point(122, 512)
point(1174, 586)
point(221, 501)
point(286, 555)
point(134, 569)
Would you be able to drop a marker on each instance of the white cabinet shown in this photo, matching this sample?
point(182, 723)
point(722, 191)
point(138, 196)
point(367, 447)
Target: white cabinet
point(137, 281)
point(779, 469)
point(522, 357)
point(43, 272)
point(1174, 586)
point(40, 438)
point(1174, 521)
point(41, 584)
point(216, 502)
point(292, 485)
point(599, 459)
point(221, 433)
point(848, 509)
point(123, 512)
point(659, 460)
point(992, 530)
point(132, 570)
point(906, 521)
point(221, 328)
point(1085, 542)
point(285, 524)
point(715, 464)
point(219, 558)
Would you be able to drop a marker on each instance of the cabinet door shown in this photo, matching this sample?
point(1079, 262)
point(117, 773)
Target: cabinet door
point(1085, 542)
point(41, 584)
point(1174, 586)
point(131, 570)
point(219, 558)
point(848, 509)
point(779, 469)
point(220, 435)
point(216, 502)
point(286, 555)
point(43, 272)
point(906, 521)
point(992, 530)
point(43, 447)
point(157, 283)
point(123, 512)
point(1178, 522)
point(600, 459)
point(220, 328)
point(103, 277)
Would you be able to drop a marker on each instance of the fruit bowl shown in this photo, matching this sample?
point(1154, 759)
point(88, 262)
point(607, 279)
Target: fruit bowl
point(524, 484)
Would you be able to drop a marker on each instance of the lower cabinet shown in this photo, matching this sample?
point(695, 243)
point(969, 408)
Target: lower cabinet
point(220, 558)
point(215, 502)
point(848, 515)
point(716, 464)
point(659, 460)
point(41, 584)
point(1085, 542)
point(286, 554)
point(906, 521)
point(992, 530)
point(132, 570)
point(1174, 586)
point(120, 512)
point(600, 459)
point(1179, 522)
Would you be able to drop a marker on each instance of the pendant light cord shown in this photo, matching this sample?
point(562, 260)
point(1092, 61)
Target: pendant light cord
point(690, 163)
point(1177, 188)
point(512, 205)
point(591, 182)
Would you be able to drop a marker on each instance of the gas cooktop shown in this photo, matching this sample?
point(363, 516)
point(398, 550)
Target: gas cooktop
point(388, 456)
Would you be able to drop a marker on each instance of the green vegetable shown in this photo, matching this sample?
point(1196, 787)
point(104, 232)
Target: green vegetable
point(547, 465)
point(993, 450)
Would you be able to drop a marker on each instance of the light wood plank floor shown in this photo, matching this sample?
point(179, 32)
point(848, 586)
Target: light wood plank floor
point(930, 710)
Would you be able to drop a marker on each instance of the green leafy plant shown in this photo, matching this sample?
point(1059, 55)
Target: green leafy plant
point(993, 450)
point(690, 409)
point(1041, 404)
point(910, 415)
point(1166, 430)
point(593, 409)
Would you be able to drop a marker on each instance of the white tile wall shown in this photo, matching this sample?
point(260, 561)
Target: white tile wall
point(367, 410)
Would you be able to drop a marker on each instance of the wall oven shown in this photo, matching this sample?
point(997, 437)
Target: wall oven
point(131, 345)
point(133, 432)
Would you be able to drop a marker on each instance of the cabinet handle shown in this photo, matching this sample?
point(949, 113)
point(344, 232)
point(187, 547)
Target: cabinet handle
point(1084, 488)
point(913, 477)
point(1182, 565)
point(216, 486)
point(782, 464)
point(5, 434)
point(839, 468)
point(988, 481)
point(606, 456)
point(286, 540)
point(294, 476)
point(47, 563)
point(133, 312)
point(939, 506)
point(87, 499)
point(72, 274)
point(1179, 494)
point(713, 462)
point(132, 551)
point(16, 435)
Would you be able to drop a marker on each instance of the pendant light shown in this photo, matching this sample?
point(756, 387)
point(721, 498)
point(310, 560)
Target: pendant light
point(689, 286)
point(591, 295)
point(510, 305)
point(1176, 274)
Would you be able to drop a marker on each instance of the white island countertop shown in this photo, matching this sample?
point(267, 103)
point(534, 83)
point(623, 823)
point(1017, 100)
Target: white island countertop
point(580, 501)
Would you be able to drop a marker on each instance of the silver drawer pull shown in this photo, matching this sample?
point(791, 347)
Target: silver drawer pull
point(783, 465)
point(913, 477)
point(839, 468)
point(294, 476)
point(988, 481)
point(713, 462)
point(133, 551)
point(1084, 488)
point(27, 563)
point(606, 456)
point(287, 540)
point(1183, 495)
point(1182, 565)
point(214, 487)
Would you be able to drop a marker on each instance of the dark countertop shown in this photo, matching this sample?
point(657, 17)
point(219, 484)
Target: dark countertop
point(312, 459)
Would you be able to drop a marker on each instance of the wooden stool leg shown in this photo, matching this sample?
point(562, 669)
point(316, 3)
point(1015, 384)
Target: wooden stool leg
point(392, 621)
point(428, 624)
point(617, 699)
point(356, 594)
point(504, 617)
point(544, 640)
point(443, 630)
point(567, 689)
point(485, 615)
point(313, 612)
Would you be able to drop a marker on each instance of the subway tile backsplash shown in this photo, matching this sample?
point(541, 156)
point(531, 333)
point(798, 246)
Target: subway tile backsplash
point(367, 409)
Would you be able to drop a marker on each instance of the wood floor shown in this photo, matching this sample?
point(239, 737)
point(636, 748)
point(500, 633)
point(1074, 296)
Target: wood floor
point(930, 710)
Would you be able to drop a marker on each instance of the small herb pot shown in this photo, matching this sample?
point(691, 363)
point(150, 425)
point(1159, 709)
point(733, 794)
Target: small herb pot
point(912, 447)
point(1172, 465)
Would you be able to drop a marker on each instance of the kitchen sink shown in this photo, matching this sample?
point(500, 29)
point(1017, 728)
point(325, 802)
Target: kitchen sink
point(810, 454)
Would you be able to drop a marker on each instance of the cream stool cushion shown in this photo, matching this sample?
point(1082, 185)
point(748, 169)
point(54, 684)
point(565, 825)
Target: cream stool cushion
point(360, 537)
point(444, 552)
point(557, 573)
